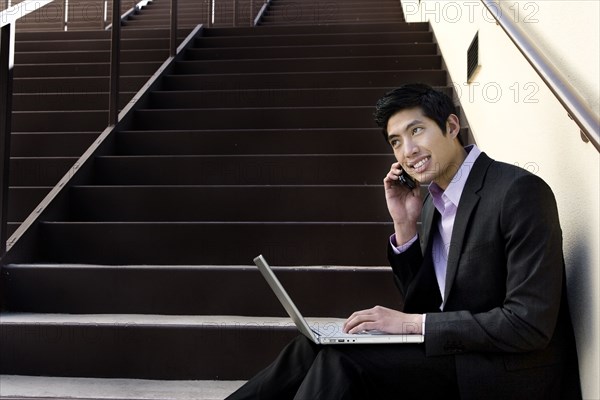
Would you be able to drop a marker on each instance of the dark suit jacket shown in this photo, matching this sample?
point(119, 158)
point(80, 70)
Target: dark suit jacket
point(505, 316)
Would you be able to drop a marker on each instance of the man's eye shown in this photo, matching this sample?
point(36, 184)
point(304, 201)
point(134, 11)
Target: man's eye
point(417, 130)
point(395, 143)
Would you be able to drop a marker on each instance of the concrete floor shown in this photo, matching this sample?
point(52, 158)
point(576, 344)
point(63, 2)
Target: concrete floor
point(32, 387)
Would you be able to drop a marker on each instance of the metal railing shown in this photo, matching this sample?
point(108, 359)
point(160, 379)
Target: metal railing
point(577, 108)
point(94, 14)
point(8, 20)
point(261, 12)
point(116, 118)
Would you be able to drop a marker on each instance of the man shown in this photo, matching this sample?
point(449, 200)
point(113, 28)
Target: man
point(483, 280)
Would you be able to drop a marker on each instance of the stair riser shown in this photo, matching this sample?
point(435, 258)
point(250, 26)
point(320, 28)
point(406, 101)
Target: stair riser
point(306, 80)
point(351, 141)
point(60, 121)
point(322, 29)
point(66, 101)
point(39, 171)
point(349, 3)
point(215, 244)
point(21, 201)
point(143, 352)
point(312, 51)
point(328, 18)
point(322, 40)
point(90, 56)
point(69, 70)
point(12, 227)
point(93, 45)
point(267, 118)
point(173, 290)
point(315, 97)
point(246, 170)
point(310, 65)
point(332, 14)
point(94, 34)
point(75, 85)
point(50, 145)
point(363, 204)
point(304, 8)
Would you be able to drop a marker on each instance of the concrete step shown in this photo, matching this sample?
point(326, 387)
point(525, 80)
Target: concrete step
point(192, 289)
point(251, 141)
point(90, 44)
point(214, 243)
point(60, 121)
point(93, 34)
point(83, 69)
point(291, 97)
point(141, 346)
point(89, 56)
point(53, 144)
point(362, 203)
point(38, 171)
point(322, 64)
point(321, 29)
point(303, 80)
point(255, 169)
point(75, 84)
point(326, 19)
point(314, 39)
point(22, 201)
point(21, 387)
point(61, 102)
point(370, 50)
point(241, 118)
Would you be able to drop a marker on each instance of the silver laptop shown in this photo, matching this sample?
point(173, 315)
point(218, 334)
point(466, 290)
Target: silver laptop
point(325, 332)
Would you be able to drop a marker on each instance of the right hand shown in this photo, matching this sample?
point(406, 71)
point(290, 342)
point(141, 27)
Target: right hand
point(403, 204)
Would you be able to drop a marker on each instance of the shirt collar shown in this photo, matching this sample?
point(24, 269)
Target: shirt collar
point(456, 186)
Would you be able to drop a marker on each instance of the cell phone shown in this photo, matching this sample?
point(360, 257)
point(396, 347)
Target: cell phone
point(406, 180)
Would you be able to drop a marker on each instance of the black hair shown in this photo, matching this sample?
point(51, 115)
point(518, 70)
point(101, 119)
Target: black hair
point(434, 104)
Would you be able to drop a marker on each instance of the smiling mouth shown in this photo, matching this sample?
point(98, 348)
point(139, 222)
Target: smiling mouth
point(420, 164)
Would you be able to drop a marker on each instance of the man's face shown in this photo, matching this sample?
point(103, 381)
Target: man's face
point(423, 150)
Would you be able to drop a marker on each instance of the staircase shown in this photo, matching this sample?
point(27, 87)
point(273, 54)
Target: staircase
point(61, 84)
point(261, 141)
point(60, 102)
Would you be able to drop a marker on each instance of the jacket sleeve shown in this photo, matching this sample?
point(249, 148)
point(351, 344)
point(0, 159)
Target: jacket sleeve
point(405, 265)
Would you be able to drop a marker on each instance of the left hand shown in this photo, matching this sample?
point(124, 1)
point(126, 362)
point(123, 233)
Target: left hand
point(385, 320)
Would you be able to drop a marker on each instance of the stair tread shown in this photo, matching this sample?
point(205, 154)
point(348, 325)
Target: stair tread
point(34, 387)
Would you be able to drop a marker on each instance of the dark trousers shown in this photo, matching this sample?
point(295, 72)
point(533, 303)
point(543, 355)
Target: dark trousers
point(306, 371)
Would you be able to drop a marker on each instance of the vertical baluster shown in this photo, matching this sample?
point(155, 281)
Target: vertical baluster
point(234, 12)
point(7, 43)
point(173, 28)
point(115, 55)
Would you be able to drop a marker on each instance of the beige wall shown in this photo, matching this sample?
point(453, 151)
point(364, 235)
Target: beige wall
point(515, 118)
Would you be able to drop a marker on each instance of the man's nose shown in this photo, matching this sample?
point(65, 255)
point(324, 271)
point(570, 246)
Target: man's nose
point(410, 148)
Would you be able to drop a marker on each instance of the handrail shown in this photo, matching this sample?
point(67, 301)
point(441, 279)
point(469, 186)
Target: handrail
point(577, 108)
point(7, 33)
point(101, 144)
point(261, 12)
point(137, 7)
point(8, 19)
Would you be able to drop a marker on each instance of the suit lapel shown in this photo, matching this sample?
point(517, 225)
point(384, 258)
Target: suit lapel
point(468, 201)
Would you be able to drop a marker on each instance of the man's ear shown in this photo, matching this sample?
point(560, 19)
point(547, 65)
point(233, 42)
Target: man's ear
point(452, 125)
